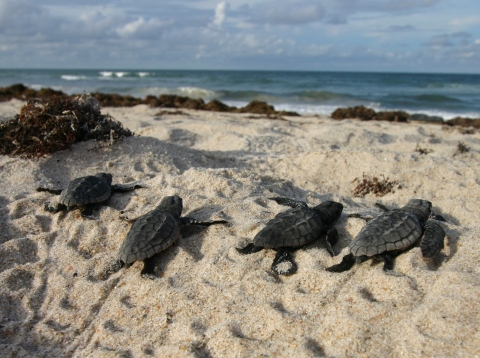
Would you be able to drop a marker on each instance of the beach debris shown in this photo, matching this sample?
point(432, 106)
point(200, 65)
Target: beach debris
point(461, 148)
point(465, 122)
point(86, 191)
point(20, 91)
point(165, 101)
point(153, 233)
point(392, 232)
point(294, 228)
point(366, 114)
point(421, 150)
point(375, 185)
point(46, 126)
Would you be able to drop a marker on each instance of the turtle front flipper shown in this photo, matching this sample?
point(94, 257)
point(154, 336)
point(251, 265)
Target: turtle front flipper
point(289, 202)
point(48, 190)
point(331, 239)
point(249, 249)
point(148, 268)
point(186, 221)
point(387, 261)
point(433, 239)
point(347, 263)
point(126, 187)
point(283, 263)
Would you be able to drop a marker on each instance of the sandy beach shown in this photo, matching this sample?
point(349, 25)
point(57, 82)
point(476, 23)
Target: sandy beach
point(208, 300)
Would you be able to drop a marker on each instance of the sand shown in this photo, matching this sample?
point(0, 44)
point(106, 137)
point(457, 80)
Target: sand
point(210, 301)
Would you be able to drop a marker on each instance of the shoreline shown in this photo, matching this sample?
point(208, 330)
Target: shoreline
point(21, 92)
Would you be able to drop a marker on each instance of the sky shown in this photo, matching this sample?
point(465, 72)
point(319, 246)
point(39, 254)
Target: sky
point(303, 35)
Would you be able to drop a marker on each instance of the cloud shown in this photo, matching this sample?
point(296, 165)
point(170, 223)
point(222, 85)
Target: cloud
point(220, 13)
point(291, 13)
point(449, 40)
point(404, 28)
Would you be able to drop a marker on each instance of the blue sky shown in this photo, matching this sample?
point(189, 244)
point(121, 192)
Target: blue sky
point(325, 35)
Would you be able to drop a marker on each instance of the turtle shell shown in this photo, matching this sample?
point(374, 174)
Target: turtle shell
point(390, 231)
point(292, 228)
point(150, 234)
point(85, 190)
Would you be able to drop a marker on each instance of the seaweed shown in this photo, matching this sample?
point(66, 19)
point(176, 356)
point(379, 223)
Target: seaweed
point(46, 126)
point(461, 148)
point(421, 150)
point(379, 187)
point(367, 114)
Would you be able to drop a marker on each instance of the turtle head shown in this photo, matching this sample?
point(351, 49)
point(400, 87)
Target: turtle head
point(106, 177)
point(421, 208)
point(172, 204)
point(329, 211)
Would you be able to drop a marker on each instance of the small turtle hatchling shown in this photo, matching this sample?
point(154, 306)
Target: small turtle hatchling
point(390, 233)
point(294, 228)
point(85, 191)
point(152, 233)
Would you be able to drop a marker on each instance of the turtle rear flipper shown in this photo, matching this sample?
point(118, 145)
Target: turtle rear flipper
point(148, 268)
point(126, 187)
point(283, 263)
point(347, 263)
point(289, 202)
point(186, 221)
point(48, 190)
point(433, 240)
point(115, 266)
point(53, 209)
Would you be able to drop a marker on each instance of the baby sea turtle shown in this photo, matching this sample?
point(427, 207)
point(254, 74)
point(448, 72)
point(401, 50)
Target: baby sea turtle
point(84, 191)
point(392, 232)
point(295, 228)
point(152, 233)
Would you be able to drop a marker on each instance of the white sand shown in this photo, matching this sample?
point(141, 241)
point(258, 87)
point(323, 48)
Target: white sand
point(210, 301)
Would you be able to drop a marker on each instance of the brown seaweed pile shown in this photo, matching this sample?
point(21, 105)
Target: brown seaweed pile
point(377, 186)
point(368, 114)
point(20, 91)
point(464, 122)
point(46, 126)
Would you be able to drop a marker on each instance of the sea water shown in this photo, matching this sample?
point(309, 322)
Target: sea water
point(445, 95)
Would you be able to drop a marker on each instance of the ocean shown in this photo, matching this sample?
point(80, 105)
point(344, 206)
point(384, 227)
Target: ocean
point(445, 95)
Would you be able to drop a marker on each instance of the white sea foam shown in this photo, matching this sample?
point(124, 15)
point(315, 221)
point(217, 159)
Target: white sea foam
point(72, 77)
point(121, 74)
point(196, 92)
point(106, 73)
point(144, 74)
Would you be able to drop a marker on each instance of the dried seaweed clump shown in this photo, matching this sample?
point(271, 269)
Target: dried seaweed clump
point(461, 148)
point(367, 114)
point(47, 126)
point(421, 150)
point(379, 187)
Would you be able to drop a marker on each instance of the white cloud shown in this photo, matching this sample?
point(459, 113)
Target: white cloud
point(131, 28)
point(220, 13)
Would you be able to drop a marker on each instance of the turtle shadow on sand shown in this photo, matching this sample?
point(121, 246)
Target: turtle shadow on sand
point(6, 232)
point(58, 167)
